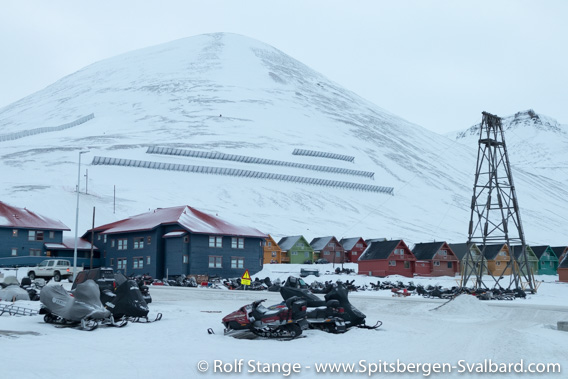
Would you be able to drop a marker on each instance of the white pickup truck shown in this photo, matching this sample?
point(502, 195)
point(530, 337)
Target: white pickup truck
point(53, 268)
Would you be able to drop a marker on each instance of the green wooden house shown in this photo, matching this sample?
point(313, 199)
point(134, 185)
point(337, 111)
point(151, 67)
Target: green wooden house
point(460, 250)
point(297, 249)
point(531, 257)
point(547, 260)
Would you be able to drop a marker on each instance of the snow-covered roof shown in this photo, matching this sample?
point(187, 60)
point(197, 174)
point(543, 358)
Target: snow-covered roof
point(286, 243)
point(175, 233)
point(14, 217)
point(69, 244)
point(349, 243)
point(320, 243)
point(187, 217)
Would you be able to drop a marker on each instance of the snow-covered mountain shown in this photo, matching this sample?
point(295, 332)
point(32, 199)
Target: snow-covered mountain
point(229, 94)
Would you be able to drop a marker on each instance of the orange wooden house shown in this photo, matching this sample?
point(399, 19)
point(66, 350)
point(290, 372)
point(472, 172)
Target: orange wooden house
point(497, 257)
point(273, 252)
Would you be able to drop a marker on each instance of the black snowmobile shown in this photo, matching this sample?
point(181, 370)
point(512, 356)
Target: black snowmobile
point(335, 314)
point(82, 308)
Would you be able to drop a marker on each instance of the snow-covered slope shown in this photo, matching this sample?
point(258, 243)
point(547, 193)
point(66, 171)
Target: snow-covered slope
point(230, 94)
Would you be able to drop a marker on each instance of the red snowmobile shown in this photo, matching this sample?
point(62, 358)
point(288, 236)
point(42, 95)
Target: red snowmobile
point(281, 321)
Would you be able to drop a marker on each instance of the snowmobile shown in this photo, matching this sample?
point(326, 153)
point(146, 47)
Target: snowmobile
point(335, 314)
point(281, 321)
point(82, 308)
point(127, 301)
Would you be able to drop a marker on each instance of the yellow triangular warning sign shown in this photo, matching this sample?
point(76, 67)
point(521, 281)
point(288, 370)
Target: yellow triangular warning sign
point(245, 280)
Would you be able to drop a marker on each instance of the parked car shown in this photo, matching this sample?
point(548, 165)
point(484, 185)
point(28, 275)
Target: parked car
point(53, 268)
point(322, 261)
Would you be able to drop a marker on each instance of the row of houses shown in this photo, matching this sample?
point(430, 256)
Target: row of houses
point(183, 240)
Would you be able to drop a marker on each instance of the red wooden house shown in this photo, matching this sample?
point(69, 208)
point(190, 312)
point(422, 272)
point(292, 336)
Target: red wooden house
point(387, 258)
point(563, 270)
point(328, 248)
point(435, 259)
point(354, 247)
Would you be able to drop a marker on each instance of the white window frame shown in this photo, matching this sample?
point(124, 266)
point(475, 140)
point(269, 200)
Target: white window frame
point(215, 261)
point(436, 263)
point(392, 263)
point(14, 252)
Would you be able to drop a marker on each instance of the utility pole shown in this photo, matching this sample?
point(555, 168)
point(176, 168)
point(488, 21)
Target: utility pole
point(495, 215)
point(92, 238)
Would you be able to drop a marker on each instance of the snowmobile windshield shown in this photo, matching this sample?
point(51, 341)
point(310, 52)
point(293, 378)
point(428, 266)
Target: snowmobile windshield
point(119, 278)
point(311, 299)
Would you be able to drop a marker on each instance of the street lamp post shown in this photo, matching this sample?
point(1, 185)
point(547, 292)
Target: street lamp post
point(77, 217)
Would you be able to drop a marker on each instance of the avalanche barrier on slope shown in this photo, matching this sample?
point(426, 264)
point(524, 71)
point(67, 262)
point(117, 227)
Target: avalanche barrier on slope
point(107, 161)
point(247, 159)
point(47, 129)
point(323, 154)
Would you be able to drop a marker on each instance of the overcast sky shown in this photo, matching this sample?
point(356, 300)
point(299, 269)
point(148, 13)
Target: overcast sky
point(438, 64)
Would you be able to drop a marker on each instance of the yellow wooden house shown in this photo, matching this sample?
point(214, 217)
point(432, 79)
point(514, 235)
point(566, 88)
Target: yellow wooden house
point(497, 257)
point(273, 252)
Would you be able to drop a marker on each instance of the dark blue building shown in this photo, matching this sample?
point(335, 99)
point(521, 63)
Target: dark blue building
point(169, 242)
point(25, 236)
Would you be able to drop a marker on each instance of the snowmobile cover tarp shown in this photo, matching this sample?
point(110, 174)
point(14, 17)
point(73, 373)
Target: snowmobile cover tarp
point(10, 280)
point(85, 302)
point(129, 301)
point(14, 292)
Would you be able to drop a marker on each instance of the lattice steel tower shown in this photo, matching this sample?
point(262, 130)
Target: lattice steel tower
point(495, 216)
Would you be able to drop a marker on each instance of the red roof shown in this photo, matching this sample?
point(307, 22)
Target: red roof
point(187, 217)
point(13, 217)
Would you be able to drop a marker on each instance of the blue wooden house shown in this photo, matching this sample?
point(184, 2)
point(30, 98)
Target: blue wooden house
point(25, 236)
point(169, 242)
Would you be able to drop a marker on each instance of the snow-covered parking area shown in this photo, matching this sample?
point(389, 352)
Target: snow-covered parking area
point(464, 334)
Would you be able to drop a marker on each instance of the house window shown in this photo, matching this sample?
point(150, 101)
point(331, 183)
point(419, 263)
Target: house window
point(35, 252)
point(502, 253)
point(237, 262)
point(148, 260)
point(14, 251)
point(294, 253)
point(450, 265)
point(122, 244)
point(111, 243)
point(149, 239)
point(112, 261)
point(269, 243)
point(34, 235)
point(406, 264)
point(215, 241)
point(353, 253)
point(436, 263)
point(358, 245)
point(237, 243)
point(185, 258)
point(121, 263)
point(331, 244)
point(215, 262)
point(273, 253)
point(442, 253)
point(498, 263)
point(98, 237)
point(399, 251)
point(138, 262)
point(51, 235)
point(326, 253)
point(138, 243)
point(105, 238)
point(186, 239)
point(392, 263)
point(14, 232)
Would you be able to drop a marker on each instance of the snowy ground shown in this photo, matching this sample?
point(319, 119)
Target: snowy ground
point(464, 331)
